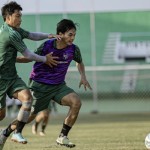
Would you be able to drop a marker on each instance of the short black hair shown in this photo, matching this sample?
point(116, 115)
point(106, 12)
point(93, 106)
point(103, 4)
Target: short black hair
point(65, 25)
point(9, 9)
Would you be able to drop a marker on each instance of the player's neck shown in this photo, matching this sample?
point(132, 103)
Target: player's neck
point(60, 45)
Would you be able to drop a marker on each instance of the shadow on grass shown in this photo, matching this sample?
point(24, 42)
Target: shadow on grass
point(95, 118)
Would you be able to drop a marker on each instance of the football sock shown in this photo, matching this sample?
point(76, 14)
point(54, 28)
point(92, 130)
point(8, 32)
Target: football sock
point(65, 130)
point(43, 127)
point(8, 131)
point(20, 126)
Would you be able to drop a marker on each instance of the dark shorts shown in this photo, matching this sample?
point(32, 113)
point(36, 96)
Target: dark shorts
point(44, 93)
point(9, 87)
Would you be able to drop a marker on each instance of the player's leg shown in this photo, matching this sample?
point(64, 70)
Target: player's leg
point(26, 99)
point(71, 99)
point(3, 88)
point(2, 113)
point(38, 120)
point(46, 116)
point(42, 95)
point(2, 137)
point(42, 118)
point(19, 91)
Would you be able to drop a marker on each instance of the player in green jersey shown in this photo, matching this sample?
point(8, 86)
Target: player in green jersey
point(11, 42)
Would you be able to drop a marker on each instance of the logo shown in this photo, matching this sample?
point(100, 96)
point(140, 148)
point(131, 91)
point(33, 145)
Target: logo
point(65, 56)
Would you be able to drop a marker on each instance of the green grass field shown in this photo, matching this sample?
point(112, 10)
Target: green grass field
point(91, 132)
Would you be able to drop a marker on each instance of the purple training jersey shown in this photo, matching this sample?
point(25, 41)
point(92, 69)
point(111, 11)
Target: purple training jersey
point(43, 73)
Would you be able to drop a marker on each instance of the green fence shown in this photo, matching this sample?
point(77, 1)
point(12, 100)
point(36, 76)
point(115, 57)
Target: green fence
point(108, 83)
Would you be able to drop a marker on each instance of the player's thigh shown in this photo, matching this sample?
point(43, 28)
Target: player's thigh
point(4, 88)
point(2, 100)
point(71, 99)
point(19, 90)
point(45, 112)
point(67, 96)
point(41, 101)
point(2, 113)
point(23, 95)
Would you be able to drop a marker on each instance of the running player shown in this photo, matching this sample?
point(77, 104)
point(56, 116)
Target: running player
point(49, 83)
point(11, 42)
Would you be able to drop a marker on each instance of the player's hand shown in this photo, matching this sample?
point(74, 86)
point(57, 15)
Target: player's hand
point(58, 37)
point(85, 84)
point(51, 60)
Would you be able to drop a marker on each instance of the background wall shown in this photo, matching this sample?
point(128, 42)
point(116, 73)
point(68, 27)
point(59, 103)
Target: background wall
point(101, 26)
point(71, 6)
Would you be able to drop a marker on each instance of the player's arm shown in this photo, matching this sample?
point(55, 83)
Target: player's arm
point(28, 56)
point(18, 43)
point(22, 59)
point(36, 36)
point(48, 59)
point(81, 69)
point(83, 80)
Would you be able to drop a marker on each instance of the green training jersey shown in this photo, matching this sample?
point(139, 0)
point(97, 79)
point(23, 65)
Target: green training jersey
point(11, 41)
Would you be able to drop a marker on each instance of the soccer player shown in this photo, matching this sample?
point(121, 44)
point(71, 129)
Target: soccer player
point(11, 42)
point(43, 118)
point(49, 82)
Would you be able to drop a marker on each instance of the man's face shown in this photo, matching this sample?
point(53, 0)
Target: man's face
point(69, 36)
point(14, 20)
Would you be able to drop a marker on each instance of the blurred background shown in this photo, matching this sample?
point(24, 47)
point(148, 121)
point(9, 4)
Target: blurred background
point(114, 39)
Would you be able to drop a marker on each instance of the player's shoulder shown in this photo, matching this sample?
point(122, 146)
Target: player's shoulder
point(76, 47)
point(4, 32)
point(50, 41)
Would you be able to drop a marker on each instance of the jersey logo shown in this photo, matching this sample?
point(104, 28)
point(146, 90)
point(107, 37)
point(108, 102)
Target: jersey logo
point(65, 57)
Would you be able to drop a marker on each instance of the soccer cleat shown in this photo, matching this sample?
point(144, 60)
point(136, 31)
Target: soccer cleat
point(64, 141)
point(17, 137)
point(34, 129)
point(41, 133)
point(2, 139)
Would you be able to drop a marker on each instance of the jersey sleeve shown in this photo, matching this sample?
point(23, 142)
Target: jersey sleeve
point(77, 55)
point(17, 41)
point(23, 33)
point(39, 49)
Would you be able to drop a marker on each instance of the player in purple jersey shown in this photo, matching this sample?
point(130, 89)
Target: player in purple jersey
point(49, 82)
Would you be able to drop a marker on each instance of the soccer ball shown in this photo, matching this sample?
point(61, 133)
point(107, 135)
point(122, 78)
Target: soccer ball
point(147, 141)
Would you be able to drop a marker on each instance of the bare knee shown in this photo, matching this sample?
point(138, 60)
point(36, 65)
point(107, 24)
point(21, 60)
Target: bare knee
point(75, 103)
point(72, 100)
point(23, 95)
point(26, 97)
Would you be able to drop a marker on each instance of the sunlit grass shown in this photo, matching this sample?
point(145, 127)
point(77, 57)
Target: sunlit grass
point(91, 132)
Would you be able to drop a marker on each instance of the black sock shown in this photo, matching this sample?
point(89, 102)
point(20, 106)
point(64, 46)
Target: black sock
point(20, 126)
point(8, 131)
point(36, 125)
point(65, 130)
point(43, 127)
